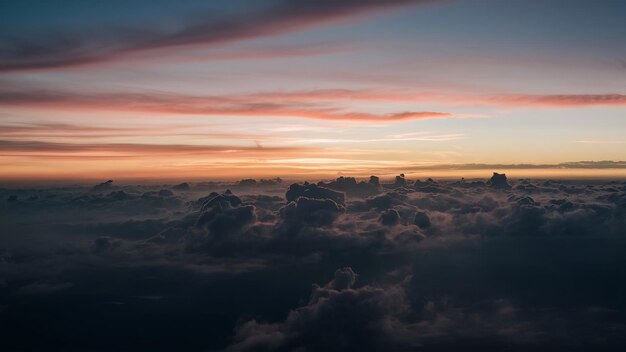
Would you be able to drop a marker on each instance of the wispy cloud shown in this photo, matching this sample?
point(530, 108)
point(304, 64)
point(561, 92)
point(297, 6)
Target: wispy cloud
point(330, 105)
point(605, 164)
point(11, 147)
point(39, 131)
point(601, 142)
point(199, 105)
point(406, 137)
point(561, 100)
point(60, 49)
point(451, 98)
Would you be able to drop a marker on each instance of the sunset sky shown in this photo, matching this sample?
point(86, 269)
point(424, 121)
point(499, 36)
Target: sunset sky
point(226, 89)
point(313, 175)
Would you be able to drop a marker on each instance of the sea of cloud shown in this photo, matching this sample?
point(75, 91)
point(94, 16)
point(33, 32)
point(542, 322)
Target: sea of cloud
point(429, 265)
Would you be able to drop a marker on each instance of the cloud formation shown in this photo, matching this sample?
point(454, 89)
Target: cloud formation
point(34, 147)
point(429, 264)
point(452, 98)
point(199, 105)
point(56, 49)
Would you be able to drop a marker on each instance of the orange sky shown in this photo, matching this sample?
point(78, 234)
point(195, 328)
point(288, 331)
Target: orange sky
point(357, 90)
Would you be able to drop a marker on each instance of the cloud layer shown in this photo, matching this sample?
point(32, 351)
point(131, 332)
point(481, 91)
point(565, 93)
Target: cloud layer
point(409, 264)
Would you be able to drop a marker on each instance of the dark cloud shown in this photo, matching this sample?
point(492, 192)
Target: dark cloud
point(311, 211)
point(247, 182)
point(337, 317)
point(400, 181)
point(57, 49)
point(351, 187)
point(105, 243)
point(442, 265)
point(181, 187)
point(385, 317)
point(162, 193)
point(390, 217)
point(344, 279)
point(225, 214)
point(384, 201)
point(499, 181)
point(422, 220)
point(430, 186)
point(41, 288)
point(11, 146)
point(104, 186)
point(313, 191)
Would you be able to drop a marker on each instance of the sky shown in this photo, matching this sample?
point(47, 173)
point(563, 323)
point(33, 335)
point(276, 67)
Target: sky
point(213, 89)
point(153, 159)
